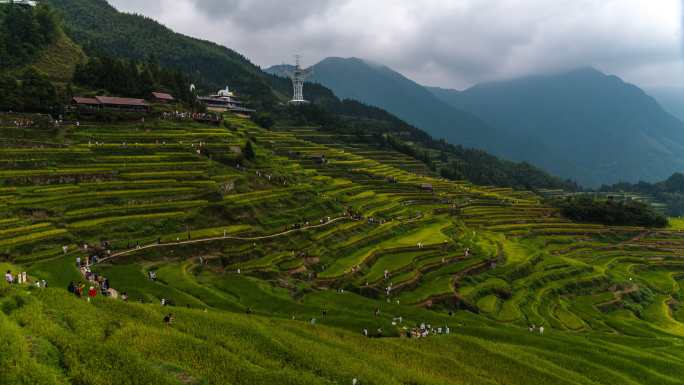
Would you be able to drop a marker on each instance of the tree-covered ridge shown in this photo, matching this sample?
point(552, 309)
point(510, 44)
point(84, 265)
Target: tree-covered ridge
point(24, 33)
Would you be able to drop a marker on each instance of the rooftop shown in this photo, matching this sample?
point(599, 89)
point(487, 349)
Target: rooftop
point(163, 96)
point(110, 100)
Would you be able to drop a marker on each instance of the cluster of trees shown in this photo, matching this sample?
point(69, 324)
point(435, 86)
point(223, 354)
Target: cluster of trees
point(670, 192)
point(132, 78)
point(28, 91)
point(263, 119)
point(25, 32)
point(586, 208)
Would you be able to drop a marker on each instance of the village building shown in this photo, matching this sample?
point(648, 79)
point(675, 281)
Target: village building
point(225, 101)
point(162, 97)
point(25, 3)
point(110, 103)
point(85, 104)
point(426, 187)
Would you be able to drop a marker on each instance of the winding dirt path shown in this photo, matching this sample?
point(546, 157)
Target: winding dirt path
point(213, 239)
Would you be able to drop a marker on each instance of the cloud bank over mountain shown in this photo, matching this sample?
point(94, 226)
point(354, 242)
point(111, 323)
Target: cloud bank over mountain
point(445, 42)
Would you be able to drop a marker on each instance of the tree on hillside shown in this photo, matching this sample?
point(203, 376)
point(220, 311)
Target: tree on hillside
point(249, 152)
point(264, 120)
point(29, 91)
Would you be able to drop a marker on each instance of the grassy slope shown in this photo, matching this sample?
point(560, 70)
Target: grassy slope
point(59, 59)
point(56, 339)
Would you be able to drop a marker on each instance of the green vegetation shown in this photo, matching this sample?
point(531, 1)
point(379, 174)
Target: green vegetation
point(24, 33)
point(133, 79)
point(585, 208)
point(669, 192)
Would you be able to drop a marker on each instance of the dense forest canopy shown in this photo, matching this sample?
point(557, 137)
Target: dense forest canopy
point(28, 91)
point(25, 32)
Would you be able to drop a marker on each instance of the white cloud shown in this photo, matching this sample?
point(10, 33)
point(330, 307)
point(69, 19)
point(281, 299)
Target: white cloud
point(445, 42)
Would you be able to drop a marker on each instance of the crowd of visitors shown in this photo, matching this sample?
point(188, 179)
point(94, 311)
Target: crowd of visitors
point(22, 278)
point(192, 116)
point(425, 330)
point(21, 123)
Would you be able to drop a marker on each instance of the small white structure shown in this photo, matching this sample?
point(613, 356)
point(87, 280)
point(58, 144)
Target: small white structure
point(28, 3)
point(226, 93)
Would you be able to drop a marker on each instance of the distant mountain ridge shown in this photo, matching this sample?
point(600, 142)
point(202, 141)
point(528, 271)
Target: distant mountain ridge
point(591, 126)
point(581, 124)
point(670, 98)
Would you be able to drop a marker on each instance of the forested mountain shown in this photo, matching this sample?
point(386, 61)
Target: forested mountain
point(589, 126)
point(379, 86)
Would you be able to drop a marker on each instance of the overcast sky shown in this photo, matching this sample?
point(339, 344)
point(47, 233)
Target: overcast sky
point(450, 43)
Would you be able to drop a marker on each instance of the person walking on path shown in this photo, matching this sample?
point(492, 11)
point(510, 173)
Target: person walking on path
point(168, 319)
point(92, 292)
point(9, 277)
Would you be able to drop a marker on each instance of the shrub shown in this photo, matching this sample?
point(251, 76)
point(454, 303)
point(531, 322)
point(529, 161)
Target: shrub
point(264, 120)
point(249, 152)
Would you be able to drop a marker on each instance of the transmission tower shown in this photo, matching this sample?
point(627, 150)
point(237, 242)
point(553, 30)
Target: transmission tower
point(298, 76)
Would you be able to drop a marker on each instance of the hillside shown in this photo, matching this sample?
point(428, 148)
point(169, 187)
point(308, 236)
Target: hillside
point(254, 246)
point(590, 127)
point(101, 30)
point(379, 86)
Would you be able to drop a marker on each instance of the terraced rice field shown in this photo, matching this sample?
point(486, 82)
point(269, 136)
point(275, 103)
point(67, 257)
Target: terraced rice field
point(395, 246)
